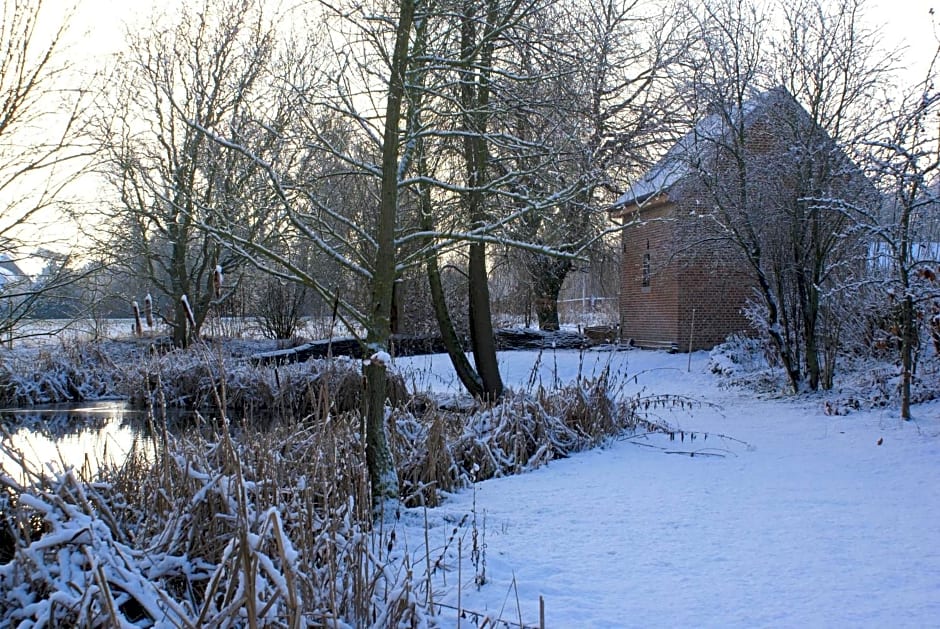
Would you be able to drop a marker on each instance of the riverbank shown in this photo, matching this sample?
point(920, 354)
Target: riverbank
point(176, 532)
point(260, 376)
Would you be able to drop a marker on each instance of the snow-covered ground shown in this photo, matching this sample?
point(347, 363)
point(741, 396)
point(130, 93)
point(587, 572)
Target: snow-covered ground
point(808, 520)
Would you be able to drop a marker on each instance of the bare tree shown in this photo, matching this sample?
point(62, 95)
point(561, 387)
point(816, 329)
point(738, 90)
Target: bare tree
point(601, 108)
point(904, 159)
point(318, 165)
point(208, 69)
point(832, 63)
point(785, 159)
point(429, 94)
point(41, 104)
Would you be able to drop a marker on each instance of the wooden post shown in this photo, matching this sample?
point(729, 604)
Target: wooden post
point(138, 329)
point(541, 612)
point(691, 336)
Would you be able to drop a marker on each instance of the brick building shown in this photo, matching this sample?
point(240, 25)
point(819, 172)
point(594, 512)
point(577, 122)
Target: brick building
point(673, 296)
point(684, 281)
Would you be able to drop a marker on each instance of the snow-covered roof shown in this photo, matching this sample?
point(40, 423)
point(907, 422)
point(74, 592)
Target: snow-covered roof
point(10, 272)
point(677, 163)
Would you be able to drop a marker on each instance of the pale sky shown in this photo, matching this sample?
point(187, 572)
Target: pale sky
point(905, 22)
point(99, 25)
point(909, 23)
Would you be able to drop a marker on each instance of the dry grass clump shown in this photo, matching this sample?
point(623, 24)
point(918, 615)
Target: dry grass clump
point(184, 379)
point(73, 372)
point(440, 450)
point(269, 525)
point(267, 528)
point(192, 380)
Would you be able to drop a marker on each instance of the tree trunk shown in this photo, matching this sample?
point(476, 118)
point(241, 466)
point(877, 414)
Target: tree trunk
point(775, 322)
point(468, 376)
point(474, 96)
point(462, 367)
point(482, 338)
point(546, 311)
point(465, 372)
point(181, 329)
point(179, 282)
point(908, 340)
point(382, 472)
point(809, 305)
point(548, 277)
point(458, 357)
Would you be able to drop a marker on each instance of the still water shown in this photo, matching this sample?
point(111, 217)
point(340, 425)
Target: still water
point(86, 437)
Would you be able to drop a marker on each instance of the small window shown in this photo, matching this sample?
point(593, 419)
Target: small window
point(646, 269)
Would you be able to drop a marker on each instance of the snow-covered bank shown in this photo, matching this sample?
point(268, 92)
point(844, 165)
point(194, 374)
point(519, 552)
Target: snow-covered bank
point(223, 504)
point(816, 521)
point(775, 514)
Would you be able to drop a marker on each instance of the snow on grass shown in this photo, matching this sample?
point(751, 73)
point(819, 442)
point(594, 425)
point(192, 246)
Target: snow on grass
point(776, 514)
point(808, 522)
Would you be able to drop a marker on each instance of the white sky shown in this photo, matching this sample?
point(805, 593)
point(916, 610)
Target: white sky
point(99, 26)
point(99, 23)
point(908, 23)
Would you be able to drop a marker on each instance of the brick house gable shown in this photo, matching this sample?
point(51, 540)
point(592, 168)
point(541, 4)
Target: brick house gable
point(683, 283)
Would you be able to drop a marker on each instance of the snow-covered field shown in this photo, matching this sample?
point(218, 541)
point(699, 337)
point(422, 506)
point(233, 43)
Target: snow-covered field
point(801, 520)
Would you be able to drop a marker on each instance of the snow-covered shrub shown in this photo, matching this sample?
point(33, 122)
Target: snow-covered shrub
point(871, 382)
point(739, 356)
point(279, 308)
point(73, 372)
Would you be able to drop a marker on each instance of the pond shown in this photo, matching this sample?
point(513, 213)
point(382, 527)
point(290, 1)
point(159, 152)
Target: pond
point(86, 437)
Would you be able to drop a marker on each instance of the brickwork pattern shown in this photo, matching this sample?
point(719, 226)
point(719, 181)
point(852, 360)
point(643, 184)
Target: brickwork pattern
point(712, 280)
point(649, 314)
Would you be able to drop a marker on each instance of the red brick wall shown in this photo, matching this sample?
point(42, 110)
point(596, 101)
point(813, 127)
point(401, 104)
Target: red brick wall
point(705, 271)
point(649, 315)
point(709, 278)
point(714, 283)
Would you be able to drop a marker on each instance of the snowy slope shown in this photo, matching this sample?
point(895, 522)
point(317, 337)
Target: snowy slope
point(809, 523)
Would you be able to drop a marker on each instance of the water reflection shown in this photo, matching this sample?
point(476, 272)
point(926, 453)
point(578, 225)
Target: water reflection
point(87, 437)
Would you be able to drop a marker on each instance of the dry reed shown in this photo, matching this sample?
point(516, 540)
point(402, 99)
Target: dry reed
point(269, 525)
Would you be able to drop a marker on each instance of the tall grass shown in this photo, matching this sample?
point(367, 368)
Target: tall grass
point(270, 524)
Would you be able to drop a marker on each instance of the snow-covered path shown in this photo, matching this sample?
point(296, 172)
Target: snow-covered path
point(811, 524)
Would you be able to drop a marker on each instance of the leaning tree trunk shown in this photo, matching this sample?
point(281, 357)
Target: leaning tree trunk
point(468, 376)
point(465, 372)
point(452, 343)
point(482, 337)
